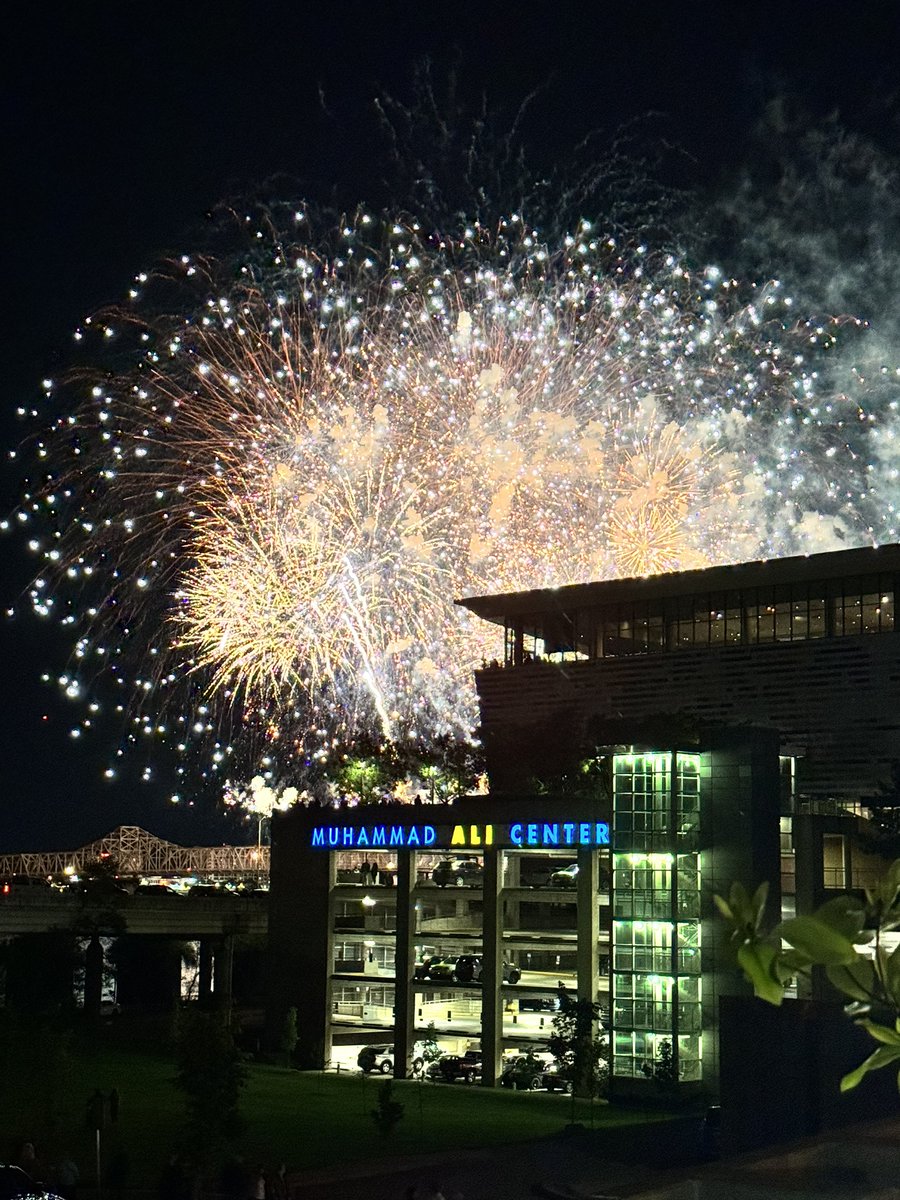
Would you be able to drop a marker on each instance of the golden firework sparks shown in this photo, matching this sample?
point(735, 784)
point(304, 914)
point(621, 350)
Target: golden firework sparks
point(264, 520)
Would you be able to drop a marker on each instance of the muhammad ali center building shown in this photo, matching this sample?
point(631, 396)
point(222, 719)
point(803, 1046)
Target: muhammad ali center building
point(648, 741)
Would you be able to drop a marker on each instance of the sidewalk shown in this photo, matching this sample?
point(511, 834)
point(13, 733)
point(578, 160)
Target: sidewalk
point(580, 1163)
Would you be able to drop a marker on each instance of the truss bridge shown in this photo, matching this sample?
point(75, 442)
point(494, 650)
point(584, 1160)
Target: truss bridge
point(139, 853)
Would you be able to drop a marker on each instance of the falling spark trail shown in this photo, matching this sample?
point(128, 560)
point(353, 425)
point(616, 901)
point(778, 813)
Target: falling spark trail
point(257, 518)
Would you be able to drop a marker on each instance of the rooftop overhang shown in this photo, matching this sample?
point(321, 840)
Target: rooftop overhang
point(862, 560)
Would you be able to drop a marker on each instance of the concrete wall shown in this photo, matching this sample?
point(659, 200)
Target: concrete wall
point(836, 701)
point(300, 941)
point(781, 1071)
point(738, 842)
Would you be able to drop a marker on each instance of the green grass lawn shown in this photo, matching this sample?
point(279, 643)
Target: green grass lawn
point(304, 1119)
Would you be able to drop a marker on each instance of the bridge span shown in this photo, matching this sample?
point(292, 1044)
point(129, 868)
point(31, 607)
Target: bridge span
point(29, 913)
point(139, 853)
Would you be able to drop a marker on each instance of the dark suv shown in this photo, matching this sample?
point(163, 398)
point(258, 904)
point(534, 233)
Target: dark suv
point(462, 872)
point(376, 1058)
point(381, 1058)
point(466, 1067)
point(524, 1074)
point(468, 970)
point(529, 1073)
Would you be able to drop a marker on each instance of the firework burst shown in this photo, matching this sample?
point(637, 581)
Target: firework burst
point(259, 521)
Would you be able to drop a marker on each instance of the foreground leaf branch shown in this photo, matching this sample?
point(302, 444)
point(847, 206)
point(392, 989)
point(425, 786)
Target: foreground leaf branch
point(844, 937)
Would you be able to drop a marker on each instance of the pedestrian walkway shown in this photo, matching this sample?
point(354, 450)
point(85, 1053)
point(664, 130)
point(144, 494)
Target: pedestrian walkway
point(580, 1163)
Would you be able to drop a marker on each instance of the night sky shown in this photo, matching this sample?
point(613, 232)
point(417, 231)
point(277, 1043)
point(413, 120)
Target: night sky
point(125, 124)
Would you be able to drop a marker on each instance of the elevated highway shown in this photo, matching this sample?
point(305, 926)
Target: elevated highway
point(46, 910)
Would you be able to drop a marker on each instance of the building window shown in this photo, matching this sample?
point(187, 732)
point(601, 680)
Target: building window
point(834, 860)
point(794, 612)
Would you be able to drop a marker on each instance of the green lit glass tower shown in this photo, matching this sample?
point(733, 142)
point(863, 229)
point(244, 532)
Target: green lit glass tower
point(656, 1011)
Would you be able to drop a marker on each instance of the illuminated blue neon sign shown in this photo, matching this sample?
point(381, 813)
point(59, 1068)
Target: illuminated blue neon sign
point(350, 837)
point(560, 833)
point(543, 834)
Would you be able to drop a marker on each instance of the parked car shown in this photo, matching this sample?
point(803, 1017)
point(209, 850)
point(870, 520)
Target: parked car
point(524, 1073)
point(443, 967)
point(466, 968)
point(376, 1058)
point(535, 1073)
point(423, 966)
point(459, 871)
point(465, 1067)
point(538, 1004)
point(440, 967)
point(554, 1080)
point(469, 968)
point(205, 891)
point(564, 877)
point(381, 1058)
point(534, 874)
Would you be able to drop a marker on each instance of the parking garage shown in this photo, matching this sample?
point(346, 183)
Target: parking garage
point(468, 922)
point(463, 923)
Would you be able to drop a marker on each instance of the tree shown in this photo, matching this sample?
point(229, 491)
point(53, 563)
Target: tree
point(830, 938)
point(576, 1048)
point(288, 1040)
point(663, 1069)
point(212, 1077)
point(100, 878)
point(389, 1110)
point(431, 1051)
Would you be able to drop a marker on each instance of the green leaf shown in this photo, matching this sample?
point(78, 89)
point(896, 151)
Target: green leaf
point(739, 903)
point(889, 920)
point(758, 903)
point(890, 975)
point(793, 961)
point(724, 907)
point(882, 1057)
point(855, 979)
point(883, 895)
point(845, 915)
point(881, 1033)
point(819, 941)
point(892, 875)
point(757, 960)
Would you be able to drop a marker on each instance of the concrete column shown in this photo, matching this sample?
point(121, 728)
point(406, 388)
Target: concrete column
point(330, 904)
point(491, 972)
point(588, 910)
point(93, 977)
point(224, 974)
point(404, 957)
point(512, 878)
point(205, 973)
point(518, 644)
